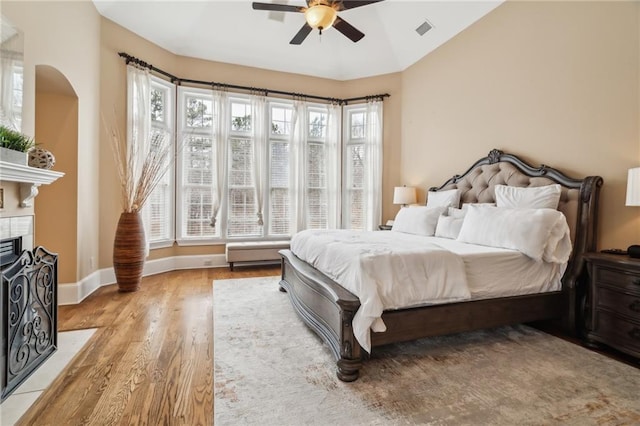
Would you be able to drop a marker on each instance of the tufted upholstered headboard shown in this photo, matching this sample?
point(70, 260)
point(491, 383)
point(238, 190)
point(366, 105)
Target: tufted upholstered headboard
point(477, 185)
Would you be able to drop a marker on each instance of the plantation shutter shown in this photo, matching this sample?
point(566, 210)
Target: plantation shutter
point(363, 166)
point(197, 166)
point(354, 209)
point(159, 210)
point(242, 204)
point(316, 187)
point(315, 202)
point(279, 193)
point(280, 131)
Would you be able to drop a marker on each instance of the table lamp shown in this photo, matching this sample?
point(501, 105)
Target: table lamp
point(633, 199)
point(404, 195)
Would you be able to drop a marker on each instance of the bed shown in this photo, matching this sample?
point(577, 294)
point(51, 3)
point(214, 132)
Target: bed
point(329, 309)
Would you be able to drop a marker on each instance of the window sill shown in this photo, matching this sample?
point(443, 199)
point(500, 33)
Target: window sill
point(209, 242)
point(160, 244)
point(219, 241)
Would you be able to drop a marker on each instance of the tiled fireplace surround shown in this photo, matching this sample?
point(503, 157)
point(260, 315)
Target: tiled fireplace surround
point(18, 226)
point(18, 187)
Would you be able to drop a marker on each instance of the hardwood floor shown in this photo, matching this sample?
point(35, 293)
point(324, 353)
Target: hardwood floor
point(151, 359)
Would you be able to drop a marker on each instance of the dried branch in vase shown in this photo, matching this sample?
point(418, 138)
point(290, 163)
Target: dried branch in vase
point(137, 181)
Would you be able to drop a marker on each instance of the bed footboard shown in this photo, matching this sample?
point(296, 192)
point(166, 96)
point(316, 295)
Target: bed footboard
point(327, 308)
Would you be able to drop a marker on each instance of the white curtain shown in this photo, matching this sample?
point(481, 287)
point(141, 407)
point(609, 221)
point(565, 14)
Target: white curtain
point(258, 111)
point(138, 126)
point(373, 165)
point(297, 156)
point(220, 128)
point(332, 165)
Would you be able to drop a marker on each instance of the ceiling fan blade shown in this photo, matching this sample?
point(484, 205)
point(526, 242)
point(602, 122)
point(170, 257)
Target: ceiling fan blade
point(348, 30)
point(301, 35)
point(352, 4)
point(276, 7)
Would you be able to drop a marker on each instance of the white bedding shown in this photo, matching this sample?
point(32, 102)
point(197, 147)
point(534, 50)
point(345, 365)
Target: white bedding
point(498, 272)
point(385, 269)
point(391, 270)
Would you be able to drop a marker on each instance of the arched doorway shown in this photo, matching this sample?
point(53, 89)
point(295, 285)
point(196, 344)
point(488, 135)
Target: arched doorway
point(56, 129)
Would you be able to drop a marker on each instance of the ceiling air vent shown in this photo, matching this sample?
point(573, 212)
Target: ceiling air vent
point(424, 27)
point(276, 16)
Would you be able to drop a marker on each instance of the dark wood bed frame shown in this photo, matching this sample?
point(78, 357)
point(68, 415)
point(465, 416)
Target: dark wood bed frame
point(328, 309)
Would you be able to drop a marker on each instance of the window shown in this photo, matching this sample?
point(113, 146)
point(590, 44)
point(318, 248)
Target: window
point(280, 133)
point(11, 79)
point(316, 182)
point(16, 104)
point(159, 209)
point(354, 169)
point(281, 155)
point(242, 220)
point(362, 165)
point(195, 164)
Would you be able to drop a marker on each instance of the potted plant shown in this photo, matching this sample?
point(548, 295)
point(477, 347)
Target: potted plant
point(14, 146)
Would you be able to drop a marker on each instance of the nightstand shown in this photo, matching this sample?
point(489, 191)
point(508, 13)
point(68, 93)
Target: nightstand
point(613, 316)
point(384, 227)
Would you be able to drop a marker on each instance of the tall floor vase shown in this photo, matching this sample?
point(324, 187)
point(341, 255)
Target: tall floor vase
point(128, 251)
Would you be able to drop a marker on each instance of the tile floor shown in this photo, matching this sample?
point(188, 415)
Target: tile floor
point(69, 344)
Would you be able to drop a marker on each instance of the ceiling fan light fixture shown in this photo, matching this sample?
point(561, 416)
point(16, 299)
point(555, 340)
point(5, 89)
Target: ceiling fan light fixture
point(320, 16)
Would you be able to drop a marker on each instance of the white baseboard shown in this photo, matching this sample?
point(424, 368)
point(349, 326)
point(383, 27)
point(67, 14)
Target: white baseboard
point(73, 293)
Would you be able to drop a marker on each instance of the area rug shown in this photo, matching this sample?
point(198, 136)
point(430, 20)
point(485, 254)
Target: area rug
point(270, 369)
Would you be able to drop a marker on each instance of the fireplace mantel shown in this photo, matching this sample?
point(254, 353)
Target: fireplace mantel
point(29, 178)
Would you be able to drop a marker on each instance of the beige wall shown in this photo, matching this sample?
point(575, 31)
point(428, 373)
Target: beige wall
point(56, 205)
point(553, 82)
point(66, 36)
point(117, 39)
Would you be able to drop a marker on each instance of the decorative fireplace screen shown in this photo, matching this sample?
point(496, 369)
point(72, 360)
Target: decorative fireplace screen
point(28, 301)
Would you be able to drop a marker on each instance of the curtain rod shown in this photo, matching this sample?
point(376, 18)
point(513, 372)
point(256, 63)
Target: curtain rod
point(176, 80)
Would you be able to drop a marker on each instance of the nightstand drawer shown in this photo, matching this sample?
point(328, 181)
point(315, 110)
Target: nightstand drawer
point(617, 332)
point(624, 304)
point(618, 278)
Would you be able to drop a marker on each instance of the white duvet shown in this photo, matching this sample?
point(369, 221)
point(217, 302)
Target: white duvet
point(376, 265)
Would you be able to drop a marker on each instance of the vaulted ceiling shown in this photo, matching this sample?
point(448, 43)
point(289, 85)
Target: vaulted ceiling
point(232, 32)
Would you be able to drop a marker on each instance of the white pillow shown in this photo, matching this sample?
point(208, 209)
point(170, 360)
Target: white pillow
point(466, 205)
point(542, 234)
point(420, 220)
point(539, 197)
point(454, 212)
point(457, 213)
point(449, 226)
point(449, 198)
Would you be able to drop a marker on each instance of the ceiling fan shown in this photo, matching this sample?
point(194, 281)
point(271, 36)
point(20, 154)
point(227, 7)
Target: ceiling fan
point(320, 14)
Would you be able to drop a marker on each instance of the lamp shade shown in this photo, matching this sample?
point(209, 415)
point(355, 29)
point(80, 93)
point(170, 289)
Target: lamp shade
point(633, 187)
point(404, 195)
point(320, 16)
